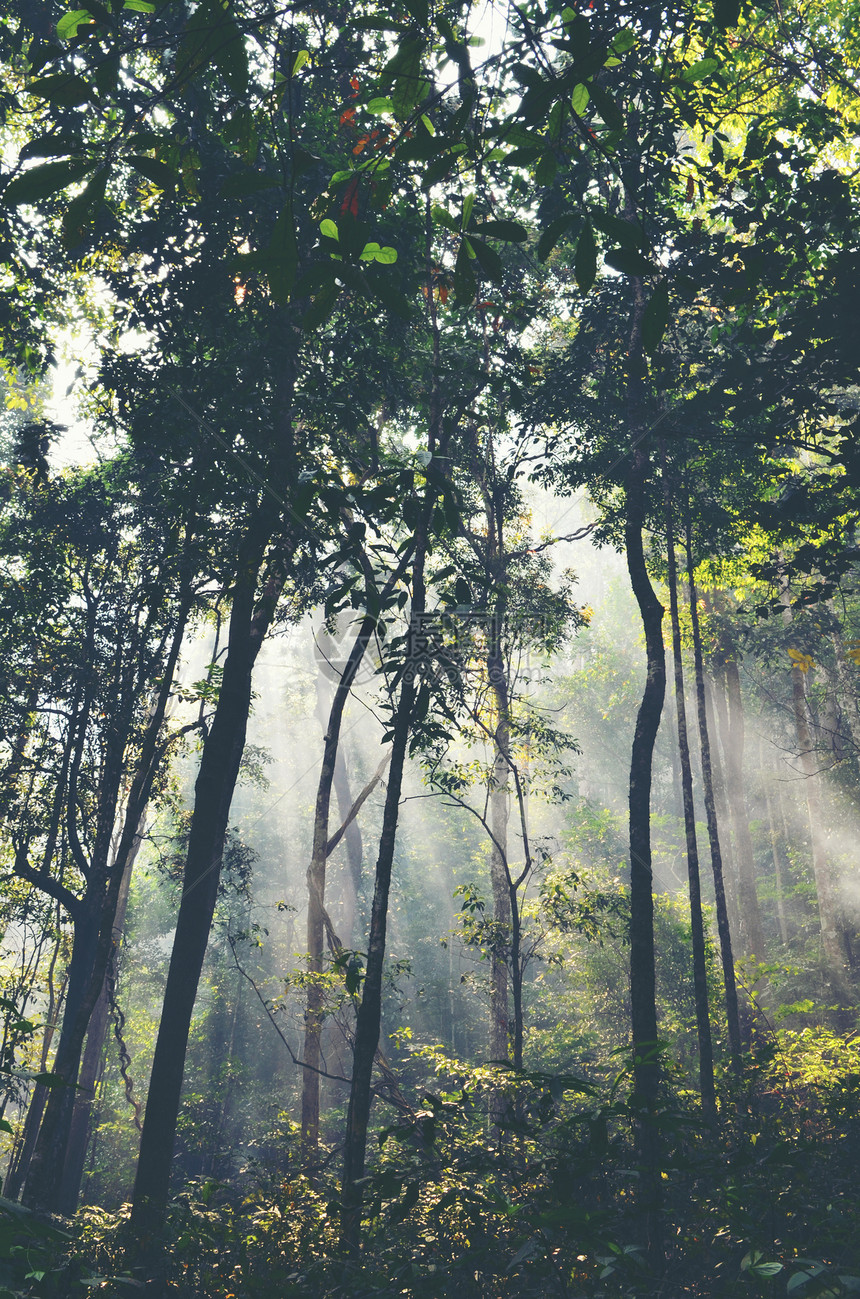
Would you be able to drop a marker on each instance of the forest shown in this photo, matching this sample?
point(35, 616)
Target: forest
point(430, 669)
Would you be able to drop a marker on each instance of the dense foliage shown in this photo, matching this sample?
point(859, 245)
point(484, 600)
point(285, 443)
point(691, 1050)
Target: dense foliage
point(429, 715)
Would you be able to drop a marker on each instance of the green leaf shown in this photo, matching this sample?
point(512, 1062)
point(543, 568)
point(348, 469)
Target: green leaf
point(546, 168)
point(511, 231)
point(230, 56)
point(701, 70)
point(468, 204)
point(301, 59)
point(438, 170)
point(140, 6)
point(403, 74)
point(465, 283)
point(381, 104)
point(61, 89)
point(352, 976)
point(727, 13)
point(488, 259)
point(386, 256)
point(606, 106)
point(462, 591)
point(41, 182)
point(282, 257)
point(655, 319)
point(158, 173)
point(391, 298)
point(328, 229)
point(319, 277)
point(320, 309)
point(444, 218)
point(49, 146)
point(50, 1080)
point(628, 262)
point(802, 1278)
point(82, 210)
point(622, 41)
point(244, 183)
point(553, 233)
point(68, 25)
point(579, 99)
point(585, 260)
point(212, 37)
point(627, 233)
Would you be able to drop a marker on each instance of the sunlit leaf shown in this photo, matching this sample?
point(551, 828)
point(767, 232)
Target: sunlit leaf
point(41, 182)
point(68, 25)
point(701, 70)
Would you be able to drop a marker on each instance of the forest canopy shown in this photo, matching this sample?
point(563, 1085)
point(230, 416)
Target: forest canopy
point(429, 696)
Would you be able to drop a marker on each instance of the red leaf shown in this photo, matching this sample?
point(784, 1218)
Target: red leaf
point(350, 198)
point(347, 115)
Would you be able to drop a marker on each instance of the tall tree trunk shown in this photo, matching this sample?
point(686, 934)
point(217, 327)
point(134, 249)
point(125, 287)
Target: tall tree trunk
point(79, 1132)
point(369, 1015)
point(832, 945)
point(499, 1041)
point(776, 854)
point(368, 1020)
point(646, 1062)
point(731, 991)
point(697, 927)
point(733, 733)
point(93, 917)
point(315, 999)
point(745, 857)
point(19, 1164)
point(354, 850)
point(216, 780)
point(717, 715)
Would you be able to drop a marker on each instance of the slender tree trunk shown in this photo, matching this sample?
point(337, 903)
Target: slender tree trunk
point(776, 855)
point(93, 918)
point(79, 1132)
point(368, 1021)
point(354, 851)
point(697, 927)
point(733, 749)
point(646, 1062)
point(315, 1001)
point(20, 1163)
point(369, 1015)
point(717, 715)
point(731, 992)
point(216, 780)
point(831, 939)
point(500, 883)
